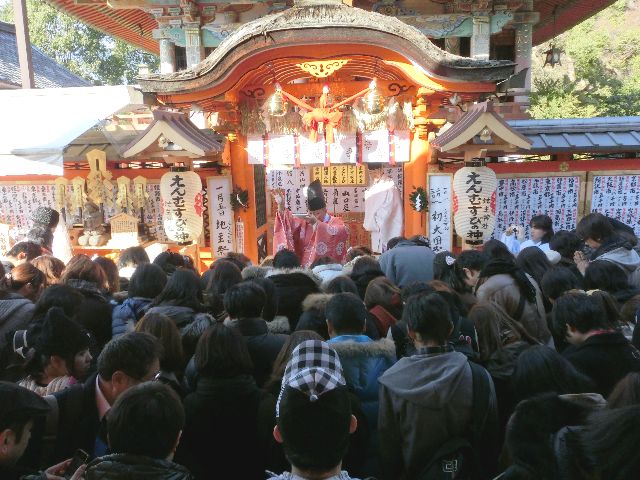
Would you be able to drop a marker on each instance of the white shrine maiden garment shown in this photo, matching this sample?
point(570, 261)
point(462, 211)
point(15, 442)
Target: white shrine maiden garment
point(382, 213)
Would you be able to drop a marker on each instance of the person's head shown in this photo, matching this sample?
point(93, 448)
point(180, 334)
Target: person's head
point(59, 347)
point(271, 302)
point(192, 332)
point(182, 289)
point(428, 319)
point(80, 267)
point(146, 420)
point(132, 257)
point(23, 252)
point(609, 443)
point(126, 361)
point(496, 250)
point(565, 243)
point(394, 241)
point(541, 228)
point(111, 271)
point(167, 333)
point(245, 300)
point(25, 280)
point(575, 314)
point(46, 217)
point(607, 276)
point(557, 281)
point(224, 274)
point(148, 281)
point(322, 261)
point(18, 409)
point(222, 353)
point(541, 369)
point(534, 262)
point(381, 291)
point(253, 271)
point(313, 412)
point(240, 259)
point(52, 268)
point(595, 229)
point(415, 288)
point(341, 284)
point(280, 363)
point(420, 240)
point(346, 315)
point(626, 392)
point(630, 311)
point(315, 200)
point(286, 259)
point(169, 262)
point(365, 265)
point(359, 251)
point(495, 328)
point(609, 307)
point(63, 296)
point(468, 266)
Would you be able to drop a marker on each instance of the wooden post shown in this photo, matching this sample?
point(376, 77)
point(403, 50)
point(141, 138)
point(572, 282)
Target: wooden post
point(24, 44)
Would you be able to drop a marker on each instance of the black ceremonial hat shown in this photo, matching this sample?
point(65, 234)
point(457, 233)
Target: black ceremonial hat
point(315, 196)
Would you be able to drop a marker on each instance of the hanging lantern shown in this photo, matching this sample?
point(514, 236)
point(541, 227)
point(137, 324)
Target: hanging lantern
point(181, 193)
point(474, 202)
point(552, 57)
point(277, 105)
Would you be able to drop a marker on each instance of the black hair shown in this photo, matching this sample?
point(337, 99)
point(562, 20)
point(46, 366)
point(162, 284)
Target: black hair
point(222, 275)
point(347, 313)
point(132, 257)
point(271, 303)
point(609, 443)
point(111, 271)
point(245, 300)
point(240, 260)
point(132, 353)
point(392, 242)
point(595, 226)
point(566, 243)
point(540, 369)
point(449, 270)
point(165, 330)
point(169, 262)
point(578, 310)
point(534, 262)
point(63, 296)
point(322, 261)
point(182, 289)
point(495, 249)
point(145, 420)
point(222, 353)
point(341, 284)
point(607, 276)
point(471, 260)
point(429, 315)
point(543, 222)
point(286, 259)
point(315, 434)
point(415, 288)
point(557, 281)
point(365, 264)
point(17, 423)
point(148, 281)
point(30, 249)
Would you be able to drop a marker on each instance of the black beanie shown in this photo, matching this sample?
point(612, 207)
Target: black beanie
point(315, 196)
point(59, 335)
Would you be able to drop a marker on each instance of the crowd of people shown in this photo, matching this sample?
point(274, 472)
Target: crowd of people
point(405, 366)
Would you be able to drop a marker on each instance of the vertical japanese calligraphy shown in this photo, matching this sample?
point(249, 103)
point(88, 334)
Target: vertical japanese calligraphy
point(220, 215)
point(440, 212)
point(181, 194)
point(618, 196)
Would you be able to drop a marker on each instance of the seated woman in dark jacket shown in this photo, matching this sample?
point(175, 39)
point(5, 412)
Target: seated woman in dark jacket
point(229, 420)
point(181, 298)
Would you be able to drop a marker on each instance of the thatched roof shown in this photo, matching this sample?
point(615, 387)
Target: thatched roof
point(313, 23)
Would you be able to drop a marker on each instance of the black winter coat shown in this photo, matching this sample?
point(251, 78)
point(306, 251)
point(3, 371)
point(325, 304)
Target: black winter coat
point(263, 346)
point(293, 287)
point(134, 467)
point(606, 358)
point(228, 429)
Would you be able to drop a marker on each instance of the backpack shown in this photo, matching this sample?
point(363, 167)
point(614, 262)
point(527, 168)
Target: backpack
point(457, 459)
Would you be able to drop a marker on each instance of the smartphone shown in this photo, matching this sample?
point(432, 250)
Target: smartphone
point(79, 458)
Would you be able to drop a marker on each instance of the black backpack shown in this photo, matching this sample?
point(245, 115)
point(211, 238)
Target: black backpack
point(458, 458)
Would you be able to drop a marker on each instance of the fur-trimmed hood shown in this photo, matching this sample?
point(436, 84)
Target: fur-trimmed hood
point(348, 348)
point(316, 301)
point(279, 324)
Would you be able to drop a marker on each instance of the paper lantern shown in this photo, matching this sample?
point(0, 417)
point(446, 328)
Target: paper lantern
point(181, 194)
point(474, 202)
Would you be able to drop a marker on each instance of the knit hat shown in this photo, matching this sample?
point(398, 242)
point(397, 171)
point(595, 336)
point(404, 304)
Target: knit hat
point(315, 196)
point(58, 335)
point(46, 216)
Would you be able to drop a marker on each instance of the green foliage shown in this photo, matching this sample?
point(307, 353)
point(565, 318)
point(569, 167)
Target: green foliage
point(600, 75)
point(87, 52)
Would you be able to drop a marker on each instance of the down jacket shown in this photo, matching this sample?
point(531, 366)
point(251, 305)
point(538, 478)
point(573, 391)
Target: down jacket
point(126, 315)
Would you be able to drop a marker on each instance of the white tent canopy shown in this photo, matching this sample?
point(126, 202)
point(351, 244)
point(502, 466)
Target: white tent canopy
point(37, 125)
